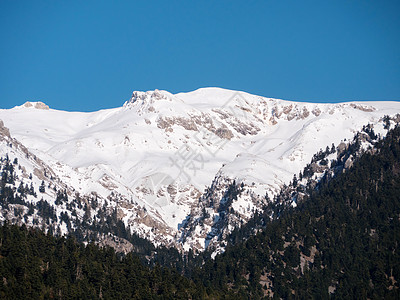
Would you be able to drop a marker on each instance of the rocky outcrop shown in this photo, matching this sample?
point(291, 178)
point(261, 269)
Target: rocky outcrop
point(4, 131)
point(37, 105)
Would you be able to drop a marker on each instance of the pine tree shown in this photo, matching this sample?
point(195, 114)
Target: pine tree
point(42, 188)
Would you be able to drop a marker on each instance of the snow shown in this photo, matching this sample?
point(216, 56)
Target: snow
point(164, 167)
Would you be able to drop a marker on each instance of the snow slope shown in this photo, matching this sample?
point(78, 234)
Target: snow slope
point(159, 151)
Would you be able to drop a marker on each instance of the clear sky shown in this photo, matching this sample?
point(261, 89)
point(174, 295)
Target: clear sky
point(89, 55)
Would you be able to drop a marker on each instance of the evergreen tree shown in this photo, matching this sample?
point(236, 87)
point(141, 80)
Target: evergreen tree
point(42, 188)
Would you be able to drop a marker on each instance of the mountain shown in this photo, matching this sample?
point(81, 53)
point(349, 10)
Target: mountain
point(340, 240)
point(166, 164)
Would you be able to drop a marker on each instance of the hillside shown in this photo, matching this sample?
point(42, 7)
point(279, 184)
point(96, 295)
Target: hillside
point(159, 163)
point(342, 241)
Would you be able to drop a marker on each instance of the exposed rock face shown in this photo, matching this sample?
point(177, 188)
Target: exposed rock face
point(4, 130)
point(342, 147)
point(41, 105)
point(317, 168)
point(224, 133)
point(119, 244)
point(28, 104)
point(144, 96)
point(349, 163)
point(37, 105)
point(166, 123)
point(363, 107)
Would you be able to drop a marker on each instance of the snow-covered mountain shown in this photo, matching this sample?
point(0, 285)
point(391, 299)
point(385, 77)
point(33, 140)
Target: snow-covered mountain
point(157, 157)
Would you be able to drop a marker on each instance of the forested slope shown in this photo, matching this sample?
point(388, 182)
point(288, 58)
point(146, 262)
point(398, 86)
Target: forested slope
point(38, 266)
point(340, 242)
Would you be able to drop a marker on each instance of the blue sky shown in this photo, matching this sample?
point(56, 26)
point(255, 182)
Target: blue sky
point(89, 55)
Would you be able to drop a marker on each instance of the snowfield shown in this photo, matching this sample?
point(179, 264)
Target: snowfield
point(160, 151)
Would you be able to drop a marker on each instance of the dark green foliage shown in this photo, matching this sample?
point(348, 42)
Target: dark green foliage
point(36, 266)
point(42, 188)
point(340, 242)
point(386, 121)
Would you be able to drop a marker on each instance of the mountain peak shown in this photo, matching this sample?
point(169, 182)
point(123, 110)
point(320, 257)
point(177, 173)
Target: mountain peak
point(149, 96)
